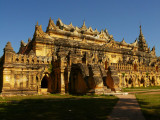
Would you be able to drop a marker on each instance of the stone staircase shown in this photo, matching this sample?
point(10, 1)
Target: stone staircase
point(95, 70)
point(107, 90)
point(115, 77)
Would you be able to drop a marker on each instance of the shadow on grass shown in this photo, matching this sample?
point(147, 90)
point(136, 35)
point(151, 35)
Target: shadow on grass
point(58, 109)
point(150, 106)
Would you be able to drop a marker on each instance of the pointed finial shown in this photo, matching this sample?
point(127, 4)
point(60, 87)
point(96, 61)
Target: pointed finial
point(71, 24)
point(154, 47)
point(140, 30)
point(84, 26)
point(37, 23)
point(102, 31)
point(29, 39)
point(84, 23)
point(106, 31)
point(50, 19)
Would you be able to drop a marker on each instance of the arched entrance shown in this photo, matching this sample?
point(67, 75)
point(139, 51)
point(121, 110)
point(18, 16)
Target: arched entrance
point(142, 81)
point(44, 82)
point(77, 83)
point(130, 82)
point(153, 81)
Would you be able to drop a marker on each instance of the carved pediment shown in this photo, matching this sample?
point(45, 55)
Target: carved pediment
point(112, 44)
point(103, 35)
point(39, 32)
point(51, 25)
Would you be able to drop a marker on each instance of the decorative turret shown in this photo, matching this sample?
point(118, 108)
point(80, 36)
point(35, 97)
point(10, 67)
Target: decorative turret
point(8, 47)
point(153, 52)
point(142, 46)
point(29, 40)
point(149, 50)
point(106, 31)
point(8, 53)
point(23, 43)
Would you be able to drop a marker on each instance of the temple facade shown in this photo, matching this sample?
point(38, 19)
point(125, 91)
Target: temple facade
point(77, 60)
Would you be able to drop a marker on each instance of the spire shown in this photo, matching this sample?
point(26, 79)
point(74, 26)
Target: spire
point(84, 25)
point(37, 23)
point(142, 45)
point(141, 37)
point(141, 34)
point(153, 48)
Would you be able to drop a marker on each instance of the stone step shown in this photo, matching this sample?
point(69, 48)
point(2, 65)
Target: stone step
point(16, 92)
point(107, 91)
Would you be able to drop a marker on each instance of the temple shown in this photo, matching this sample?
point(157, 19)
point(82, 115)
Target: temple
point(77, 60)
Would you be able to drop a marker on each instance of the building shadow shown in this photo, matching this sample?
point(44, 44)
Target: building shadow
point(43, 108)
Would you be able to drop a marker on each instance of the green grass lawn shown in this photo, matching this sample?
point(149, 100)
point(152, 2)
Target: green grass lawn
point(150, 105)
point(133, 89)
point(56, 107)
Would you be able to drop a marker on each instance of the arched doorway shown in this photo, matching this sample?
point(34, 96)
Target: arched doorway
point(130, 82)
point(44, 82)
point(142, 81)
point(77, 83)
point(153, 80)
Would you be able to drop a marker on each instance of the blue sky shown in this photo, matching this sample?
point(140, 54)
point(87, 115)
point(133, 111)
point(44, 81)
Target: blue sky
point(121, 18)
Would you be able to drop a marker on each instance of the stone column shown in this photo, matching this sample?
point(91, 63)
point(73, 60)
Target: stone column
point(34, 82)
point(62, 89)
point(29, 81)
point(12, 80)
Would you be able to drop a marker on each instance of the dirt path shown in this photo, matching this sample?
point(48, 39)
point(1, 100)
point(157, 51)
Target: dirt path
point(127, 108)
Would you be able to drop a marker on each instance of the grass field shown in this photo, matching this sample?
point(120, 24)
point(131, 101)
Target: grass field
point(150, 105)
point(56, 107)
point(134, 89)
